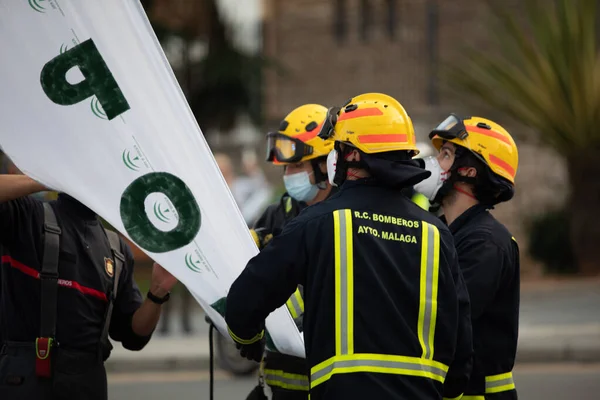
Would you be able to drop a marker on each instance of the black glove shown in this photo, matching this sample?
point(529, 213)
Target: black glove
point(261, 237)
point(252, 351)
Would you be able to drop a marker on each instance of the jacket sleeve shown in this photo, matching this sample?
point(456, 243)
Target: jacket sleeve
point(20, 218)
point(482, 265)
point(266, 283)
point(459, 372)
point(128, 301)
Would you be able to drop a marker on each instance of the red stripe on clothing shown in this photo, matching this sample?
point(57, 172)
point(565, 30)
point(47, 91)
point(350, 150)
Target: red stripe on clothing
point(61, 282)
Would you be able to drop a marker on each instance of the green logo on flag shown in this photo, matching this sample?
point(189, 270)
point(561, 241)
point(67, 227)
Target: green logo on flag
point(37, 5)
point(130, 162)
point(160, 213)
point(97, 108)
point(192, 263)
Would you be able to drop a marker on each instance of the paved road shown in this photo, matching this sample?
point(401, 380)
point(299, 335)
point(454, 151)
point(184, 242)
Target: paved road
point(535, 382)
point(572, 303)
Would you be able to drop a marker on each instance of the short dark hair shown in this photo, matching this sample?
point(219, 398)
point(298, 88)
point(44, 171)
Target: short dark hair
point(488, 187)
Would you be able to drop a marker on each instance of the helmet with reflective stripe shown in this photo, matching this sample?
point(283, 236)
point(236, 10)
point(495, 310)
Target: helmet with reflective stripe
point(486, 139)
point(296, 139)
point(373, 123)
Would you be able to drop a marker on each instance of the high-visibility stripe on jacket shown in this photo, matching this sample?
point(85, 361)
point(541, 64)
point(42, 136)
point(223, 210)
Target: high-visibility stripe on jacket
point(375, 350)
point(495, 384)
point(286, 380)
point(295, 304)
point(345, 360)
point(499, 383)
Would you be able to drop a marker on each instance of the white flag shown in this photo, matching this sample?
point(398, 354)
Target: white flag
point(91, 107)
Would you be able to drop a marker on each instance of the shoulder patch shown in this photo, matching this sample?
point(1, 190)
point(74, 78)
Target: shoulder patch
point(109, 267)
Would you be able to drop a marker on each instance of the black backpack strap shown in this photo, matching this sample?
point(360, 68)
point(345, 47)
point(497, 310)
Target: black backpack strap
point(48, 294)
point(49, 273)
point(119, 258)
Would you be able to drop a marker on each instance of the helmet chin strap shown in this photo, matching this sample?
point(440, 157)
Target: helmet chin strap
point(320, 177)
point(450, 183)
point(458, 189)
point(342, 164)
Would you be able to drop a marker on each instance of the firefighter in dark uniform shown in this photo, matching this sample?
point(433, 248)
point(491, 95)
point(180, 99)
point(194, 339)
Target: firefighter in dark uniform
point(478, 160)
point(303, 154)
point(386, 310)
point(62, 277)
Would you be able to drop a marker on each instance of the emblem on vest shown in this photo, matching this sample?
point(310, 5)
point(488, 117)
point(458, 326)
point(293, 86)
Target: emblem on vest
point(109, 267)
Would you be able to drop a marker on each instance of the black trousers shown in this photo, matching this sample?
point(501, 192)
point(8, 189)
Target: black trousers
point(283, 394)
point(75, 375)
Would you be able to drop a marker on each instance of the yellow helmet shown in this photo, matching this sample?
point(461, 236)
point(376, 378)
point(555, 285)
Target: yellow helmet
point(297, 138)
point(373, 123)
point(486, 139)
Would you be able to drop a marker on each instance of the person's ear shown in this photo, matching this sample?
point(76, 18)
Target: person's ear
point(469, 172)
point(323, 166)
point(353, 156)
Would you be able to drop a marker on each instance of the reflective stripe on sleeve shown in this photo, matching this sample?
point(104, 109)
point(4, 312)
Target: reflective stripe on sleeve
point(246, 341)
point(296, 304)
point(286, 380)
point(499, 383)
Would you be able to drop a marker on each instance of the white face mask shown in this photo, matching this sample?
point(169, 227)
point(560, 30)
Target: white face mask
point(430, 186)
point(299, 186)
point(331, 163)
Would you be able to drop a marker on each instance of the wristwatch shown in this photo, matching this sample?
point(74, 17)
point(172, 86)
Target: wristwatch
point(156, 299)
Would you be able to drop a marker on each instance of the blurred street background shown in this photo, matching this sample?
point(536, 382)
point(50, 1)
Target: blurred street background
point(244, 64)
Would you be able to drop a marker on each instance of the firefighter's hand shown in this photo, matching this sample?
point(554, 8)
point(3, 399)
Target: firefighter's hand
point(252, 351)
point(261, 237)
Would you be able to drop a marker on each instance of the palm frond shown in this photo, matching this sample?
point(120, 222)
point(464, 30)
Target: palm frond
point(545, 72)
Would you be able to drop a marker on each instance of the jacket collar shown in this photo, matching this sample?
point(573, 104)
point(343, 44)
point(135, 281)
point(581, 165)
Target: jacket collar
point(467, 216)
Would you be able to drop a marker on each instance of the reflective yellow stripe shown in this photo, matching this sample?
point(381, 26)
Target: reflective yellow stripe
point(338, 283)
point(473, 398)
point(291, 307)
point(380, 363)
point(430, 263)
point(255, 238)
point(244, 341)
point(286, 380)
point(295, 304)
point(349, 282)
point(421, 200)
point(499, 383)
point(344, 360)
point(344, 282)
point(299, 300)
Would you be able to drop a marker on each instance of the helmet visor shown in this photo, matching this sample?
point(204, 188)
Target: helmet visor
point(283, 148)
point(326, 131)
point(450, 128)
